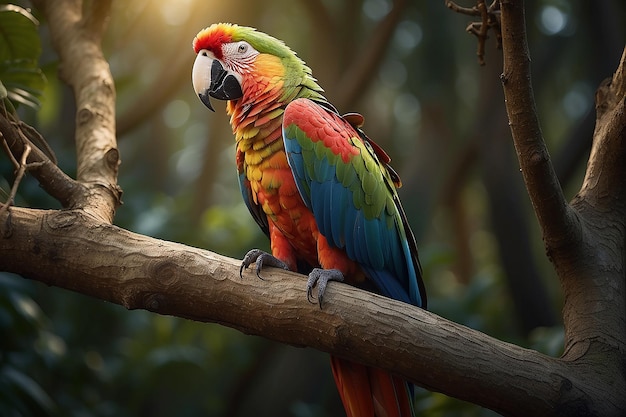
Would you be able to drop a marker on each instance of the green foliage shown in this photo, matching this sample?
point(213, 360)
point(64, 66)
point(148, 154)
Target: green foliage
point(21, 79)
point(76, 356)
point(21, 323)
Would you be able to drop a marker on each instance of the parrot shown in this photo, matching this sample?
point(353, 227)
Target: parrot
point(319, 188)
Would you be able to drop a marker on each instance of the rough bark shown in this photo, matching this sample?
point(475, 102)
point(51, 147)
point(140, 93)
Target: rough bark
point(76, 32)
point(585, 240)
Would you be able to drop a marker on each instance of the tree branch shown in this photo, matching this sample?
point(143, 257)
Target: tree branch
point(95, 17)
point(54, 181)
point(489, 19)
point(556, 219)
point(606, 169)
point(72, 250)
point(585, 240)
point(21, 170)
point(77, 41)
point(578, 237)
point(593, 274)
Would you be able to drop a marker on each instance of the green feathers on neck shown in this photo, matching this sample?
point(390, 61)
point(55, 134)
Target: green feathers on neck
point(299, 81)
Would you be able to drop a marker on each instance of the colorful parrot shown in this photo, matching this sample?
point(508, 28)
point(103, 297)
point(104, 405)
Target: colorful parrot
point(321, 190)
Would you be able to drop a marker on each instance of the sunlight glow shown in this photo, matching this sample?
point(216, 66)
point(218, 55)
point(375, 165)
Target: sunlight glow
point(175, 13)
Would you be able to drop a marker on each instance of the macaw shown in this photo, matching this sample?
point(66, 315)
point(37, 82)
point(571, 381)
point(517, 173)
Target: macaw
point(321, 190)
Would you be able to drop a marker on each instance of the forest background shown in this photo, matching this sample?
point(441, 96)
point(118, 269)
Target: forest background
point(425, 99)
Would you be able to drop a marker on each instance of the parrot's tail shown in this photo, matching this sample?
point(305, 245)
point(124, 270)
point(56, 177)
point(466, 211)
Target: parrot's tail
point(371, 392)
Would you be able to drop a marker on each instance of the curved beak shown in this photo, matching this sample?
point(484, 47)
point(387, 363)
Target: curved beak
point(211, 79)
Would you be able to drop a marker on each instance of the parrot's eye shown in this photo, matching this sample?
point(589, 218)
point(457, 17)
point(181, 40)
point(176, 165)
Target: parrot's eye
point(238, 55)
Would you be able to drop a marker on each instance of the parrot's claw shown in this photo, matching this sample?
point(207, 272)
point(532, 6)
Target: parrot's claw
point(321, 277)
point(260, 259)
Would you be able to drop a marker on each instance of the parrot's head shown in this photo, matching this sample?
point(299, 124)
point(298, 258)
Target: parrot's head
point(234, 61)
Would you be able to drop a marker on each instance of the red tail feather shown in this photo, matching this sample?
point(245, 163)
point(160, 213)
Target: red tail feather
point(370, 392)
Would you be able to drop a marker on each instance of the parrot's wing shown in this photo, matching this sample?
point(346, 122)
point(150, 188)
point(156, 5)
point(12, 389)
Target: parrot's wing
point(246, 191)
point(352, 196)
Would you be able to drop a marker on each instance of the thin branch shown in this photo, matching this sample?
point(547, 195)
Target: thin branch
point(7, 151)
point(489, 20)
point(470, 11)
point(16, 138)
point(18, 179)
point(556, 219)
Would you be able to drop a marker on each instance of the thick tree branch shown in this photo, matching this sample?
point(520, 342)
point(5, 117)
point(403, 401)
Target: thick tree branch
point(606, 169)
point(74, 251)
point(76, 38)
point(593, 275)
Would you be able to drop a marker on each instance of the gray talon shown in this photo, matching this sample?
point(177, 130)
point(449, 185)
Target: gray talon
point(321, 277)
point(261, 259)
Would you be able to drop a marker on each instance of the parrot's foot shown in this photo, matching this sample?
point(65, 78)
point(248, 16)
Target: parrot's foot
point(261, 259)
point(321, 277)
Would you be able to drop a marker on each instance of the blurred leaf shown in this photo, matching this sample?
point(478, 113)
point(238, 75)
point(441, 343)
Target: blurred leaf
point(22, 79)
point(18, 37)
point(24, 388)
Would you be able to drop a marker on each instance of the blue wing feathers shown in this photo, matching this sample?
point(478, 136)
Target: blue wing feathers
point(374, 243)
point(338, 199)
point(388, 284)
point(294, 155)
point(383, 245)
